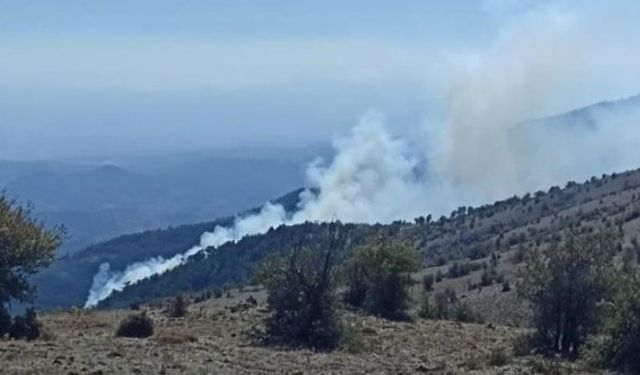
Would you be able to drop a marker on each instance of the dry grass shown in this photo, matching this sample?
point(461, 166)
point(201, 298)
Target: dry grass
point(214, 339)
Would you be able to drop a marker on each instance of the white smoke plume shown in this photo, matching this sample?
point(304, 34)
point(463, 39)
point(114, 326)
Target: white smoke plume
point(372, 178)
point(106, 281)
point(484, 148)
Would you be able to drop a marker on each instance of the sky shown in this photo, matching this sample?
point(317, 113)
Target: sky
point(101, 78)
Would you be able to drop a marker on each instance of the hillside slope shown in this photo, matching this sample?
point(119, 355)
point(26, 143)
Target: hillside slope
point(215, 337)
point(468, 234)
point(67, 281)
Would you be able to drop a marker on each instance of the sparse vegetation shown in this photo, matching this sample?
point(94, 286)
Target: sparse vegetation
point(427, 282)
point(564, 284)
point(26, 246)
point(177, 307)
point(618, 344)
point(378, 277)
point(5, 322)
point(445, 305)
point(302, 298)
point(522, 345)
point(498, 357)
point(137, 326)
point(25, 327)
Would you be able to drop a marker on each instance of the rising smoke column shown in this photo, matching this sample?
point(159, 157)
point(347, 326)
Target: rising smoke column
point(510, 82)
point(372, 178)
point(106, 281)
point(483, 151)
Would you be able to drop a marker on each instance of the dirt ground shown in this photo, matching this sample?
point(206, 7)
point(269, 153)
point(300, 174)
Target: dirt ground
point(214, 339)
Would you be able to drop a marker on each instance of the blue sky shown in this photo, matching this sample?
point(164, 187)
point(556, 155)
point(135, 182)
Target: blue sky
point(237, 19)
point(81, 78)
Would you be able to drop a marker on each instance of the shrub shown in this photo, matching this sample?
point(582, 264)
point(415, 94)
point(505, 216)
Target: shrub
point(25, 327)
point(301, 299)
point(489, 276)
point(521, 345)
point(378, 277)
point(506, 286)
point(217, 293)
point(439, 276)
point(462, 269)
point(178, 307)
point(445, 305)
point(5, 321)
point(352, 341)
point(619, 344)
point(25, 247)
point(462, 312)
point(564, 283)
point(134, 306)
point(427, 282)
point(498, 357)
point(138, 326)
point(439, 306)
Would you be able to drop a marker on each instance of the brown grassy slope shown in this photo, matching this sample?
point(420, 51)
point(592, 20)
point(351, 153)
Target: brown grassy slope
point(611, 202)
point(213, 339)
point(533, 220)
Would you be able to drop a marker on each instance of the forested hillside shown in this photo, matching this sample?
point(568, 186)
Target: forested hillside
point(67, 281)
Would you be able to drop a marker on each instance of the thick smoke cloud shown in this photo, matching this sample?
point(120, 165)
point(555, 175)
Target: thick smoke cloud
point(371, 179)
point(485, 147)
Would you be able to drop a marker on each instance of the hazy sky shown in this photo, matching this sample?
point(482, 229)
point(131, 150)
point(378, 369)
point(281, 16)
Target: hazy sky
point(82, 78)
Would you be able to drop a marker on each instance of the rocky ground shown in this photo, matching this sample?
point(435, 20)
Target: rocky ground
point(214, 338)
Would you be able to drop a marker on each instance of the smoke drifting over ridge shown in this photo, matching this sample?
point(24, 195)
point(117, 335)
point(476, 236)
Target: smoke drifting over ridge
point(484, 148)
point(371, 170)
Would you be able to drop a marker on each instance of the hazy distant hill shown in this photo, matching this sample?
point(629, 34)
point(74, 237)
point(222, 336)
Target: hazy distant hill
point(99, 199)
point(588, 116)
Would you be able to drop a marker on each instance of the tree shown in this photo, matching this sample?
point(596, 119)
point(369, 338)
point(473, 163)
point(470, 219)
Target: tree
point(178, 307)
point(25, 247)
point(564, 283)
point(618, 343)
point(378, 277)
point(302, 298)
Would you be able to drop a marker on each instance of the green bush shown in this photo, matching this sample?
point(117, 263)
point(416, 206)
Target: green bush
point(462, 312)
point(301, 299)
point(25, 327)
point(427, 282)
point(177, 307)
point(506, 286)
point(618, 344)
point(26, 246)
point(378, 277)
point(5, 321)
point(445, 305)
point(462, 269)
point(498, 357)
point(138, 326)
point(565, 284)
point(521, 345)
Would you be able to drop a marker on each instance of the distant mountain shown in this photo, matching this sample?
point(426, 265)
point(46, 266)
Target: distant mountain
point(589, 116)
point(99, 199)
